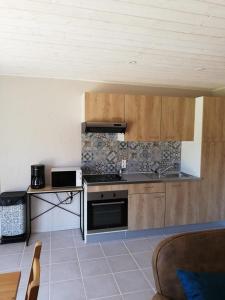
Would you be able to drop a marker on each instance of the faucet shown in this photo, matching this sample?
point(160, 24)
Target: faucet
point(162, 171)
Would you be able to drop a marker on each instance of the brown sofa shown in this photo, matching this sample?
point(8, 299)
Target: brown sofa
point(198, 251)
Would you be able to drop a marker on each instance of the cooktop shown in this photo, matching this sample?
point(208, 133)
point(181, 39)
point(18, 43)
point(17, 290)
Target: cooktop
point(103, 178)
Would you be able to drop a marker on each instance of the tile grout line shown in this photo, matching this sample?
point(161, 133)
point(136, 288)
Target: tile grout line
point(81, 273)
point(113, 275)
point(139, 268)
point(50, 267)
point(22, 255)
point(128, 293)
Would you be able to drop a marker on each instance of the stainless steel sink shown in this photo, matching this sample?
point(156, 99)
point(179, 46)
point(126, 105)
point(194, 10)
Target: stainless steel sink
point(175, 175)
point(168, 175)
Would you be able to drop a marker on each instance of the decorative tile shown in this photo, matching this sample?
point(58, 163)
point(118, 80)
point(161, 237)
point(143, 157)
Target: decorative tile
point(87, 156)
point(103, 153)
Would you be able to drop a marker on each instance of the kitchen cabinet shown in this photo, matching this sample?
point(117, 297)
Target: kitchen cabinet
point(213, 119)
point(149, 118)
point(146, 188)
point(212, 196)
point(143, 117)
point(181, 203)
point(103, 107)
point(177, 120)
point(146, 211)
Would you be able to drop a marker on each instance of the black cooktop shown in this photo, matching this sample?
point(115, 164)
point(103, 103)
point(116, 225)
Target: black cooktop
point(103, 178)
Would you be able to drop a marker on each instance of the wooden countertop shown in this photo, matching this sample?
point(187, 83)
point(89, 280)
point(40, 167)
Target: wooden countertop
point(50, 189)
point(9, 283)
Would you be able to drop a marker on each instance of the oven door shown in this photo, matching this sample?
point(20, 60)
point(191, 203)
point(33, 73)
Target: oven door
point(109, 213)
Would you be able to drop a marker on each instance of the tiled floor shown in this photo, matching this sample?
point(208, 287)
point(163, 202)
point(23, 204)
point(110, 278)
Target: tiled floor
point(117, 270)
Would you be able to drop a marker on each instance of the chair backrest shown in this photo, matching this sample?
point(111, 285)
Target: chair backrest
point(197, 251)
point(34, 279)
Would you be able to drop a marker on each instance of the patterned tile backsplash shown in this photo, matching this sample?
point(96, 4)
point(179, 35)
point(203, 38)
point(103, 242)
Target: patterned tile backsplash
point(103, 153)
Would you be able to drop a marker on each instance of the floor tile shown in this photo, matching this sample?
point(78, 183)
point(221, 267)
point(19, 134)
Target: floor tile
point(76, 232)
point(62, 242)
point(15, 248)
point(30, 247)
point(131, 281)
point(94, 267)
point(11, 262)
point(138, 245)
point(78, 240)
point(143, 295)
point(65, 271)
point(43, 293)
point(117, 297)
point(100, 286)
point(89, 252)
point(25, 273)
point(68, 290)
point(61, 234)
point(63, 255)
point(28, 256)
point(114, 248)
point(155, 240)
point(122, 263)
point(149, 276)
point(42, 236)
point(143, 259)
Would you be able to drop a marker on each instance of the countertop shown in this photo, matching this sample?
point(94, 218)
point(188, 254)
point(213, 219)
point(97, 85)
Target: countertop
point(148, 177)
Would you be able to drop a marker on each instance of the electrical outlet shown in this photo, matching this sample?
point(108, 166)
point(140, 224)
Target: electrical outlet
point(123, 164)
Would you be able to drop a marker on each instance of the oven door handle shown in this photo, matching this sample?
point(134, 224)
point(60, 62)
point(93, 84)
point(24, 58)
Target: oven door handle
point(108, 203)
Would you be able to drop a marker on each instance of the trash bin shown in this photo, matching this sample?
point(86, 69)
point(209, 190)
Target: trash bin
point(13, 216)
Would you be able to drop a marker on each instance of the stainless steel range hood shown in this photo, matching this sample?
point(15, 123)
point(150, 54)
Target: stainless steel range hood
point(107, 127)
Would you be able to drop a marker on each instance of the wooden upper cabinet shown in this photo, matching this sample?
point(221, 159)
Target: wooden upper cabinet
point(177, 122)
point(103, 107)
point(143, 116)
point(213, 119)
point(181, 203)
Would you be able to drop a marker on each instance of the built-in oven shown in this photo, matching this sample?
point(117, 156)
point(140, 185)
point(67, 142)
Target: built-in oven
point(107, 211)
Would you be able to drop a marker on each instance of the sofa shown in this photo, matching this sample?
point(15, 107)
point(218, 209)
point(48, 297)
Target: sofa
point(202, 251)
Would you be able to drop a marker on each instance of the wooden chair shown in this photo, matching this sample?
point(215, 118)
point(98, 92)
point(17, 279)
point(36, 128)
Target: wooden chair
point(34, 279)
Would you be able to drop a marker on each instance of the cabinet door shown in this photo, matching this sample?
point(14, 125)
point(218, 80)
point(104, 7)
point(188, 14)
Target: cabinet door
point(213, 119)
point(177, 122)
point(212, 200)
point(143, 117)
point(104, 107)
point(181, 203)
point(146, 211)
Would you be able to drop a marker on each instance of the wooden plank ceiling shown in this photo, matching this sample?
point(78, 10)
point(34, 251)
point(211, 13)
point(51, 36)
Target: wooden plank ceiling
point(165, 42)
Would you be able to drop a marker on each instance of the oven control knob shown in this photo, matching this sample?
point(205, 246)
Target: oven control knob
point(102, 195)
point(114, 194)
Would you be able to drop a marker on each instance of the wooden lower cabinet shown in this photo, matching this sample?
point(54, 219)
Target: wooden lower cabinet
point(182, 203)
point(146, 211)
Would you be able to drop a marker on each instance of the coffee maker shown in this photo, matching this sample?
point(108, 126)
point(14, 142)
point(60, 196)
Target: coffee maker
point(37, 176)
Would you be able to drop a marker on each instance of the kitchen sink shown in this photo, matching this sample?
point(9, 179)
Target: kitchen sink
point(168, 175)
point(175, 175)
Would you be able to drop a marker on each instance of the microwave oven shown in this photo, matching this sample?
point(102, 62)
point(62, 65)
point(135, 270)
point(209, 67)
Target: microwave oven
point(66, 177)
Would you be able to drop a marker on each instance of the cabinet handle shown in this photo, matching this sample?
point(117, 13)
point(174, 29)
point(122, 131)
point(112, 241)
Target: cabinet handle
point(176, 185)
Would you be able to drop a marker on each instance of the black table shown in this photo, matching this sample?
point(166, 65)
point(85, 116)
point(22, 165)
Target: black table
point(37, 193)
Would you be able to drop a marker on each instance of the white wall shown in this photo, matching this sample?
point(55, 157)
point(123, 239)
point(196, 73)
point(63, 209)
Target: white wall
point(40, 123)
point(191, 151)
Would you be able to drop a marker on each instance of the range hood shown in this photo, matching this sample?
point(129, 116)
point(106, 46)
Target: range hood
point(107, 127)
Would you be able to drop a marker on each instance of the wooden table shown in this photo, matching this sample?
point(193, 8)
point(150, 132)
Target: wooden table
point(9, 283)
